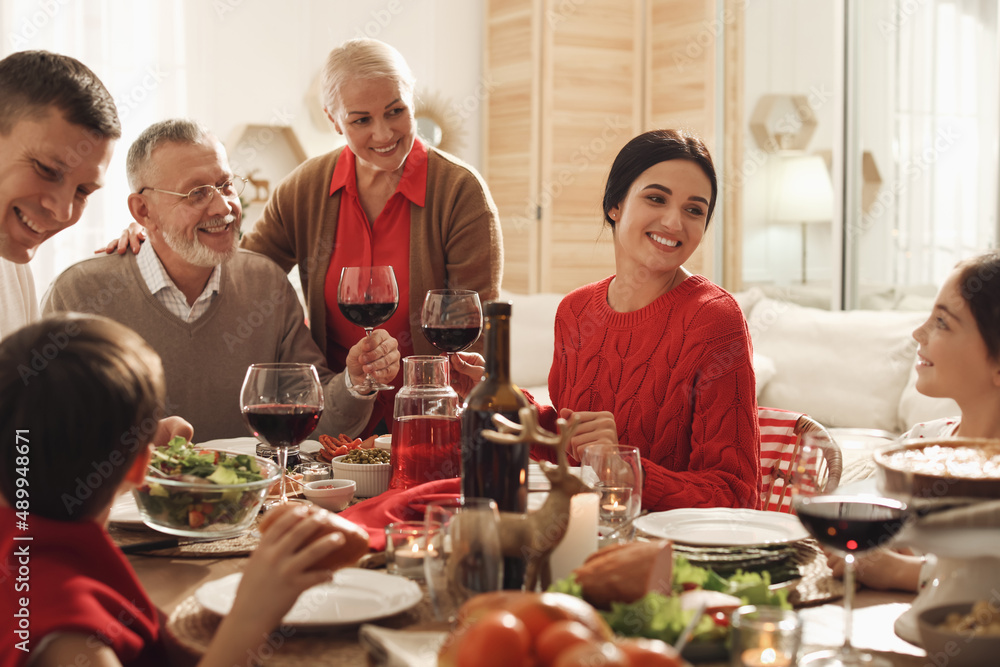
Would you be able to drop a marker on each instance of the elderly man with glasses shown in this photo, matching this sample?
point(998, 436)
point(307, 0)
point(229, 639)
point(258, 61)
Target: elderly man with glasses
point(208, 308)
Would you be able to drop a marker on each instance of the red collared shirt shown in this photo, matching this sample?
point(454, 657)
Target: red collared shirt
point(382, 242)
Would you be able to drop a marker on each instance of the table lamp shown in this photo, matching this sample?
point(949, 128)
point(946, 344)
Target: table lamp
point(804, 194)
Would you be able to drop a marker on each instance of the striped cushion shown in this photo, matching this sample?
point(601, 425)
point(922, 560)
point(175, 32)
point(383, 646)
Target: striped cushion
point(777, 447)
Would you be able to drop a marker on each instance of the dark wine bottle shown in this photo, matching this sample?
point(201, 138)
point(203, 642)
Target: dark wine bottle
point(491, 470)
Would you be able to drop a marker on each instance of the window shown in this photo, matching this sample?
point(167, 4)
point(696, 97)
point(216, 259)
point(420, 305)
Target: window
point(906, 108)
point(137, 50)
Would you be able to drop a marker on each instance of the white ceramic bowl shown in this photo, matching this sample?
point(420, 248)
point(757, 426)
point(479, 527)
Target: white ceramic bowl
point(384, 442)
point(331, 494)
point(372, 478)
point(956, 649)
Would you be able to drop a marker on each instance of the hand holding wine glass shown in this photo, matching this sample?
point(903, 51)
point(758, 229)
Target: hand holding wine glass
point(368, 296)
point(281, 405)
point(451, 319)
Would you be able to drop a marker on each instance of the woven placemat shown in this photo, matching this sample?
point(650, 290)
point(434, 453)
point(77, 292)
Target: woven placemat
point(817, 585)
point(191, 627)
point(242, 545)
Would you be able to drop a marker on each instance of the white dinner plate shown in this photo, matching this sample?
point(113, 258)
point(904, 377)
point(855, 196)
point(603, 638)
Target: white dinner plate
point(354, 596)
point(723, 527)
point(537, 481)
point(248, 445)
point(125, 513)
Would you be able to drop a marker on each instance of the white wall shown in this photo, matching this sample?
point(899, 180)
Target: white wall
point(276, 49)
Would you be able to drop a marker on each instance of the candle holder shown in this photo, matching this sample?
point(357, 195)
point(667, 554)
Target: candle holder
point(616, 472)
point(614, 505)
point(313, 471)
point(763, 635)
point(406, 548)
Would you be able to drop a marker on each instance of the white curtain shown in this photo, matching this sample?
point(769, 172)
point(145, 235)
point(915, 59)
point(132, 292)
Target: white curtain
point(946, 135)
point(137, 49)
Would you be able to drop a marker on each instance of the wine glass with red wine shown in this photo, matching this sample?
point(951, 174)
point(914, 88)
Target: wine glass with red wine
point(368, 296)
point(282, 404)
point(849, 525)
point(451, 319)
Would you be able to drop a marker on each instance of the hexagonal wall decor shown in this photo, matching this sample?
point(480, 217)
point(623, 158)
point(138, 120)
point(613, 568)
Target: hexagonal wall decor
point(782, 122)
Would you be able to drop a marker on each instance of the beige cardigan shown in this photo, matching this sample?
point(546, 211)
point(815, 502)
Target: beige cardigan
point(455, 238)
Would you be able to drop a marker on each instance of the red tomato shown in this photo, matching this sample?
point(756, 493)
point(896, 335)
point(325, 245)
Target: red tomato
point(196, 519)
point(650, 653)
point(561, 636)
point(592, 654)
point(497, 639)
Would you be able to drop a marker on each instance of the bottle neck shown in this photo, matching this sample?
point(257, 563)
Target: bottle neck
point(496, 349)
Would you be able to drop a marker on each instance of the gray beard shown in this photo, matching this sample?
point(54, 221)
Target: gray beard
point(195, 252)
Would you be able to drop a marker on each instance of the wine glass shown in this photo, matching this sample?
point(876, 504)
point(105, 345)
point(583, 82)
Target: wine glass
point(464, 556)
point(281, 404)
point(451, 319)
point(849, 525)
point(368, 296)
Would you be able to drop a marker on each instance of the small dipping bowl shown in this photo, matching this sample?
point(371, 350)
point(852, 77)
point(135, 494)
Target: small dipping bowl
point(332, 494)
point(384, 442)
point(955, 648)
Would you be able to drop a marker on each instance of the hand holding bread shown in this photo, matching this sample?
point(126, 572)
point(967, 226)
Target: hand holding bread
point(300, 546)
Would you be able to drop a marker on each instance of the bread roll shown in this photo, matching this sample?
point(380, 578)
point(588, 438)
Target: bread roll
point(355, 538)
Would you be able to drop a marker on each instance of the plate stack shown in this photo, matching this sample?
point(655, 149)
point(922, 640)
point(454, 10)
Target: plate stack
point(725, 540)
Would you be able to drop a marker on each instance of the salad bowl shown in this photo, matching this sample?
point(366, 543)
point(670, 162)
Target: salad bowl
point(199, 492)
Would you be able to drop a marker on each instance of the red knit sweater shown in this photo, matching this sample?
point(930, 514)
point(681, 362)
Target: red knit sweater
point(679, 379)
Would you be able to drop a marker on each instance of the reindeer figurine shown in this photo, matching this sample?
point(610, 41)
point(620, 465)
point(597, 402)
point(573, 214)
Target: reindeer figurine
point(535, 535)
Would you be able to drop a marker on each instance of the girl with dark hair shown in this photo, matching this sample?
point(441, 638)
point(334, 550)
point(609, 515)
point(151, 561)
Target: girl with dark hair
point(959, 351)
point(958, 357)
point(654, 356)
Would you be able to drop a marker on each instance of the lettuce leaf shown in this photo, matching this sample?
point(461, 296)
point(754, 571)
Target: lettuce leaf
point(660, 617)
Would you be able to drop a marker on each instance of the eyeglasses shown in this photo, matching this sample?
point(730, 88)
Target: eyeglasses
point(202, 195)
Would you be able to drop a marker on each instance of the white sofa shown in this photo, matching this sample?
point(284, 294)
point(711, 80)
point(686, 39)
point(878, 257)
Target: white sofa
point(849, 370)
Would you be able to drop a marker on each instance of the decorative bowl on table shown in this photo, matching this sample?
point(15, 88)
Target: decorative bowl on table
point(940, 468)
point(332, 494)
point(205, 503)
point(962, 635)
point(372, 478)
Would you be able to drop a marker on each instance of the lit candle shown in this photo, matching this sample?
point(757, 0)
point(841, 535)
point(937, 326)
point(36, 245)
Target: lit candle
point(768, 657)
point(405, 549)
point(409, 562)
point(580, 539)
point(614, 510)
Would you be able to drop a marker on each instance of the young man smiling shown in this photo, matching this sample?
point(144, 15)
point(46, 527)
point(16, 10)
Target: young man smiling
point(58, 126)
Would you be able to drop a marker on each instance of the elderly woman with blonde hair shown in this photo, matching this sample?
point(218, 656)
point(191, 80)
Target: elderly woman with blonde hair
point(386, 198)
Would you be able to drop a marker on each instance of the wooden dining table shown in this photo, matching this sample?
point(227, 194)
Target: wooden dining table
point(171, 582)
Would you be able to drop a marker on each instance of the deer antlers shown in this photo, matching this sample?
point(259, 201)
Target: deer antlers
point(530, 431)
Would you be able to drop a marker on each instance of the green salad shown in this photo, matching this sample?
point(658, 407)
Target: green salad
point(660, 616)
point(197, 489)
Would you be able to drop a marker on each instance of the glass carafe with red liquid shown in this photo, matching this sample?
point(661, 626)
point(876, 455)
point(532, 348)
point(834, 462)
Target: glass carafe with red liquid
point(426, 431)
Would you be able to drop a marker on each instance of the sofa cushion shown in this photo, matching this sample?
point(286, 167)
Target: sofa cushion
point(763, 370)
point(843, 368)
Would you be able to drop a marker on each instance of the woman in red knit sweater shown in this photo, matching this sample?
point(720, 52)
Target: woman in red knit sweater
point(655, 356)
